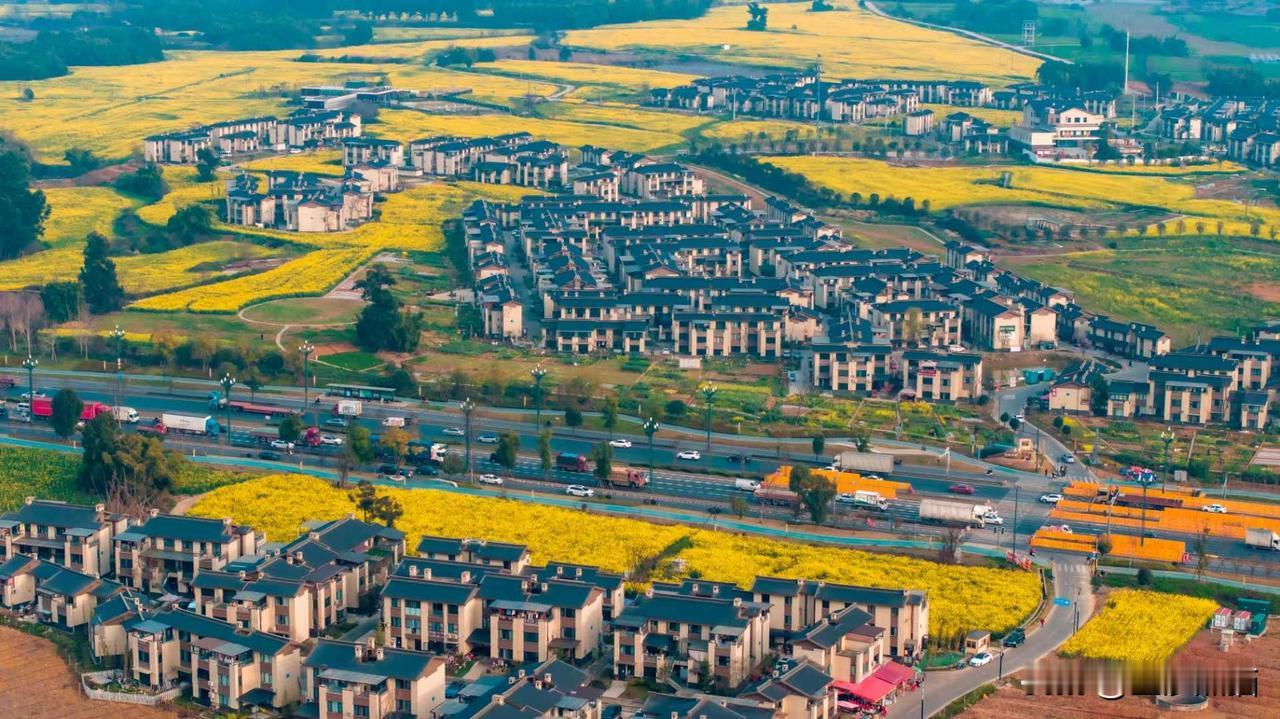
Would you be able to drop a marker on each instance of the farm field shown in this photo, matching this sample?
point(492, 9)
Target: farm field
point(995, 116)
point(625, 116)
point(961, 597)
point(629, 79)
point(323, 162)
point(1140, 627)
point(110, 109)
point(731, 130)
point(28, 662)
point(139, 274)
point(950, 186)
point(407, 125)
point(74, 212)
point(1185, 286)
point(851, 42)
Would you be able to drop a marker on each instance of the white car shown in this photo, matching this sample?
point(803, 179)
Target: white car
point(39, 394)
point(578, 490)
point(980, 659)
point(845, 498)
point(453, 432)
point(1215, 508)
point(992, 518)
point(1020, 416)
point(491, 479)
point(396, 477)
point(1064, 528)
point(623, 443)
point(956, 348)
point(689, 454)
point(1053, 498)
point(487, 439)
point(332, 440)
point(281, 444)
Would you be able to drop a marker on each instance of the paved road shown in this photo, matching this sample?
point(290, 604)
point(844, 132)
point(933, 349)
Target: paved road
point(1071, 580)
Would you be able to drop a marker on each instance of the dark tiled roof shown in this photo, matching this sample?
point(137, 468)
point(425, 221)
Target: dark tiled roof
point(394, 664)
point(56, 514)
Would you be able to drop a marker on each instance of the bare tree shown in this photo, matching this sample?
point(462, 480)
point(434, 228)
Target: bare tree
point(952, 538)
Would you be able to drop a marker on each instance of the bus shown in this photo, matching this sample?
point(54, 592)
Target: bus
point(355, 391)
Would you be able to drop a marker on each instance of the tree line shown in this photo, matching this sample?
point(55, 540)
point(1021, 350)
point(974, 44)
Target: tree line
point(52, 52)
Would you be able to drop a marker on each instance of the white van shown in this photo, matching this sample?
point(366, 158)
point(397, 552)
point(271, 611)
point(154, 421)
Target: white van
point(746, 485)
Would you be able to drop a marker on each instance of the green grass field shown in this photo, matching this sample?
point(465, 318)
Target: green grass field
point(1187, 287)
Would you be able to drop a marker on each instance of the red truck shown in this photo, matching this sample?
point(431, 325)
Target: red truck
point(571, 462)
point(7, 382)
point(628, 478)
point(264, 409)
point(42, 407)
point(155, 427)
point(93, 409)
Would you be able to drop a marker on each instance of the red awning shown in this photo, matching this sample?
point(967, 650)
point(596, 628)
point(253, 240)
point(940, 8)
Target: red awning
point(894, 673)
point(872, 689)
point(844, 686)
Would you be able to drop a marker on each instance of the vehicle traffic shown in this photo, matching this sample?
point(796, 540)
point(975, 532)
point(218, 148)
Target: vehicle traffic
point(961, 489)
point(453, 432)
point(620, 443)
point(488, 478)
point(689, 454)
point(1052, 498)
point(578, 490)
point(1214, 508)
point(487, 438)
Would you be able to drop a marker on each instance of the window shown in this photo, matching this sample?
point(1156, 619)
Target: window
point(531, 637)
point(360, 710)
point(224, 680)
point(335, 707)
point(266, 677)
point(404, 705)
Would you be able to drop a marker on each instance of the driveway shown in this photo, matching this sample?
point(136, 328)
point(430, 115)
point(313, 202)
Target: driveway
point(1070, 580)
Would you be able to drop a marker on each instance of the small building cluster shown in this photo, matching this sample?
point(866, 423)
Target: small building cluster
point(242, 624)
point(1244, 129)
point(1058, 124)
point(302, 130)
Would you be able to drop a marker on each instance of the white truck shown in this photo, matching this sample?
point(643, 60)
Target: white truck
point(864, 499)
point(394, 422)
point(189, 424)
point(746, 485)
point(1262, 539)
point(865, 463)
point(348, 408)
point(125, 415)
point(955, 513)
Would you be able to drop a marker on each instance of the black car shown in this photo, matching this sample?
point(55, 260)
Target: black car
point(1014, 638)
point(429, 471)
point(387, 469)
point(739, 458)
point(269, 456)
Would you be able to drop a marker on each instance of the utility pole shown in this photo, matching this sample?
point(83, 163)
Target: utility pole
point(468, 407)
point(1167, 437)
point(650, 429)
point(1014, 547)
point(306, 349)
point(1126, 64)
point(709, 398)
point(30, 364)
point(118, 335)
point(537, 373)
point(227, 383)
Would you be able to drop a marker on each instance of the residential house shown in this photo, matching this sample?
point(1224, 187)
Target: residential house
point(75, 536)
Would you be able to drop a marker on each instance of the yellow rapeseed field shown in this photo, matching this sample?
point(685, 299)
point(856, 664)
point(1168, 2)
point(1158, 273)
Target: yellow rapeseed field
point(962, 598)
point(995, 116)
point(960, 185)
point(139, 274)
point(1141, 627)
point(737, 130)
point(74, 212)
point(323, 162)
point(184, 190)
point(311, 274)
point(581, 73)
point(850, 41)
point(616, 113)
point(407, 125)
point(110, 109)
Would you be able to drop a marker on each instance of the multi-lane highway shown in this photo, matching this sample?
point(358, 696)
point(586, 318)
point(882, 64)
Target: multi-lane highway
point(702, 484)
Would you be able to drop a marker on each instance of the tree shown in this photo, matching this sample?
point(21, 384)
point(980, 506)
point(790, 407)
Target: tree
point(603, 457)
point(453, 464)
point(609, 415)
point(345, 463)
point(190, 223)
point(1200, 547)
point(387, 509)
point(395, 441)
point(759, 17)
point(365, 497)
point(819, 444)
point(81, 160)
point(738, 506)
point(572, 418)
point(1099, 395)
point(253, 381)
point(1144, 577)
point(382, 324)
point(814, 491)
point(147, 182)
point(102, 291)
point(207, 162)
point(508, 449)
point(952, 538)
point(290, 428)
point(22, 209)
point(66, 412)
point(544, 452)
point(61, 301)
point(360, 444)
point(861, 437)
point(131, 471)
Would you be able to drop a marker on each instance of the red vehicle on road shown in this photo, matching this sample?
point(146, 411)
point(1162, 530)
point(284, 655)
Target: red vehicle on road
point(961, 489)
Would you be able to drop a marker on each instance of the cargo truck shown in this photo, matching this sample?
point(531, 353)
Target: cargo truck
point(769, 494)
point(571, 462)
point(348, 408)
point(953, 513)
point(1262, 539)
point(628, 477)
point(865, 499)
point(189, 424)
point(865, 462)
point(42, 407)
point(93, 409)
point(126, 415)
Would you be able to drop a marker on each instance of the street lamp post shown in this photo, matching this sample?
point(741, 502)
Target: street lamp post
point(538, 373)
point(227, 383)
point(1167, 437)
point(650, 429)
point(709, 398)
point(30, 364)
point(1015, 520)
point(1142, 536)
point(118, 335)
point(468, 407)
point(306, 348)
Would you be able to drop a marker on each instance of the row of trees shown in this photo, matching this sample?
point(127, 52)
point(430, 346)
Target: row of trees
point(52, 52)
